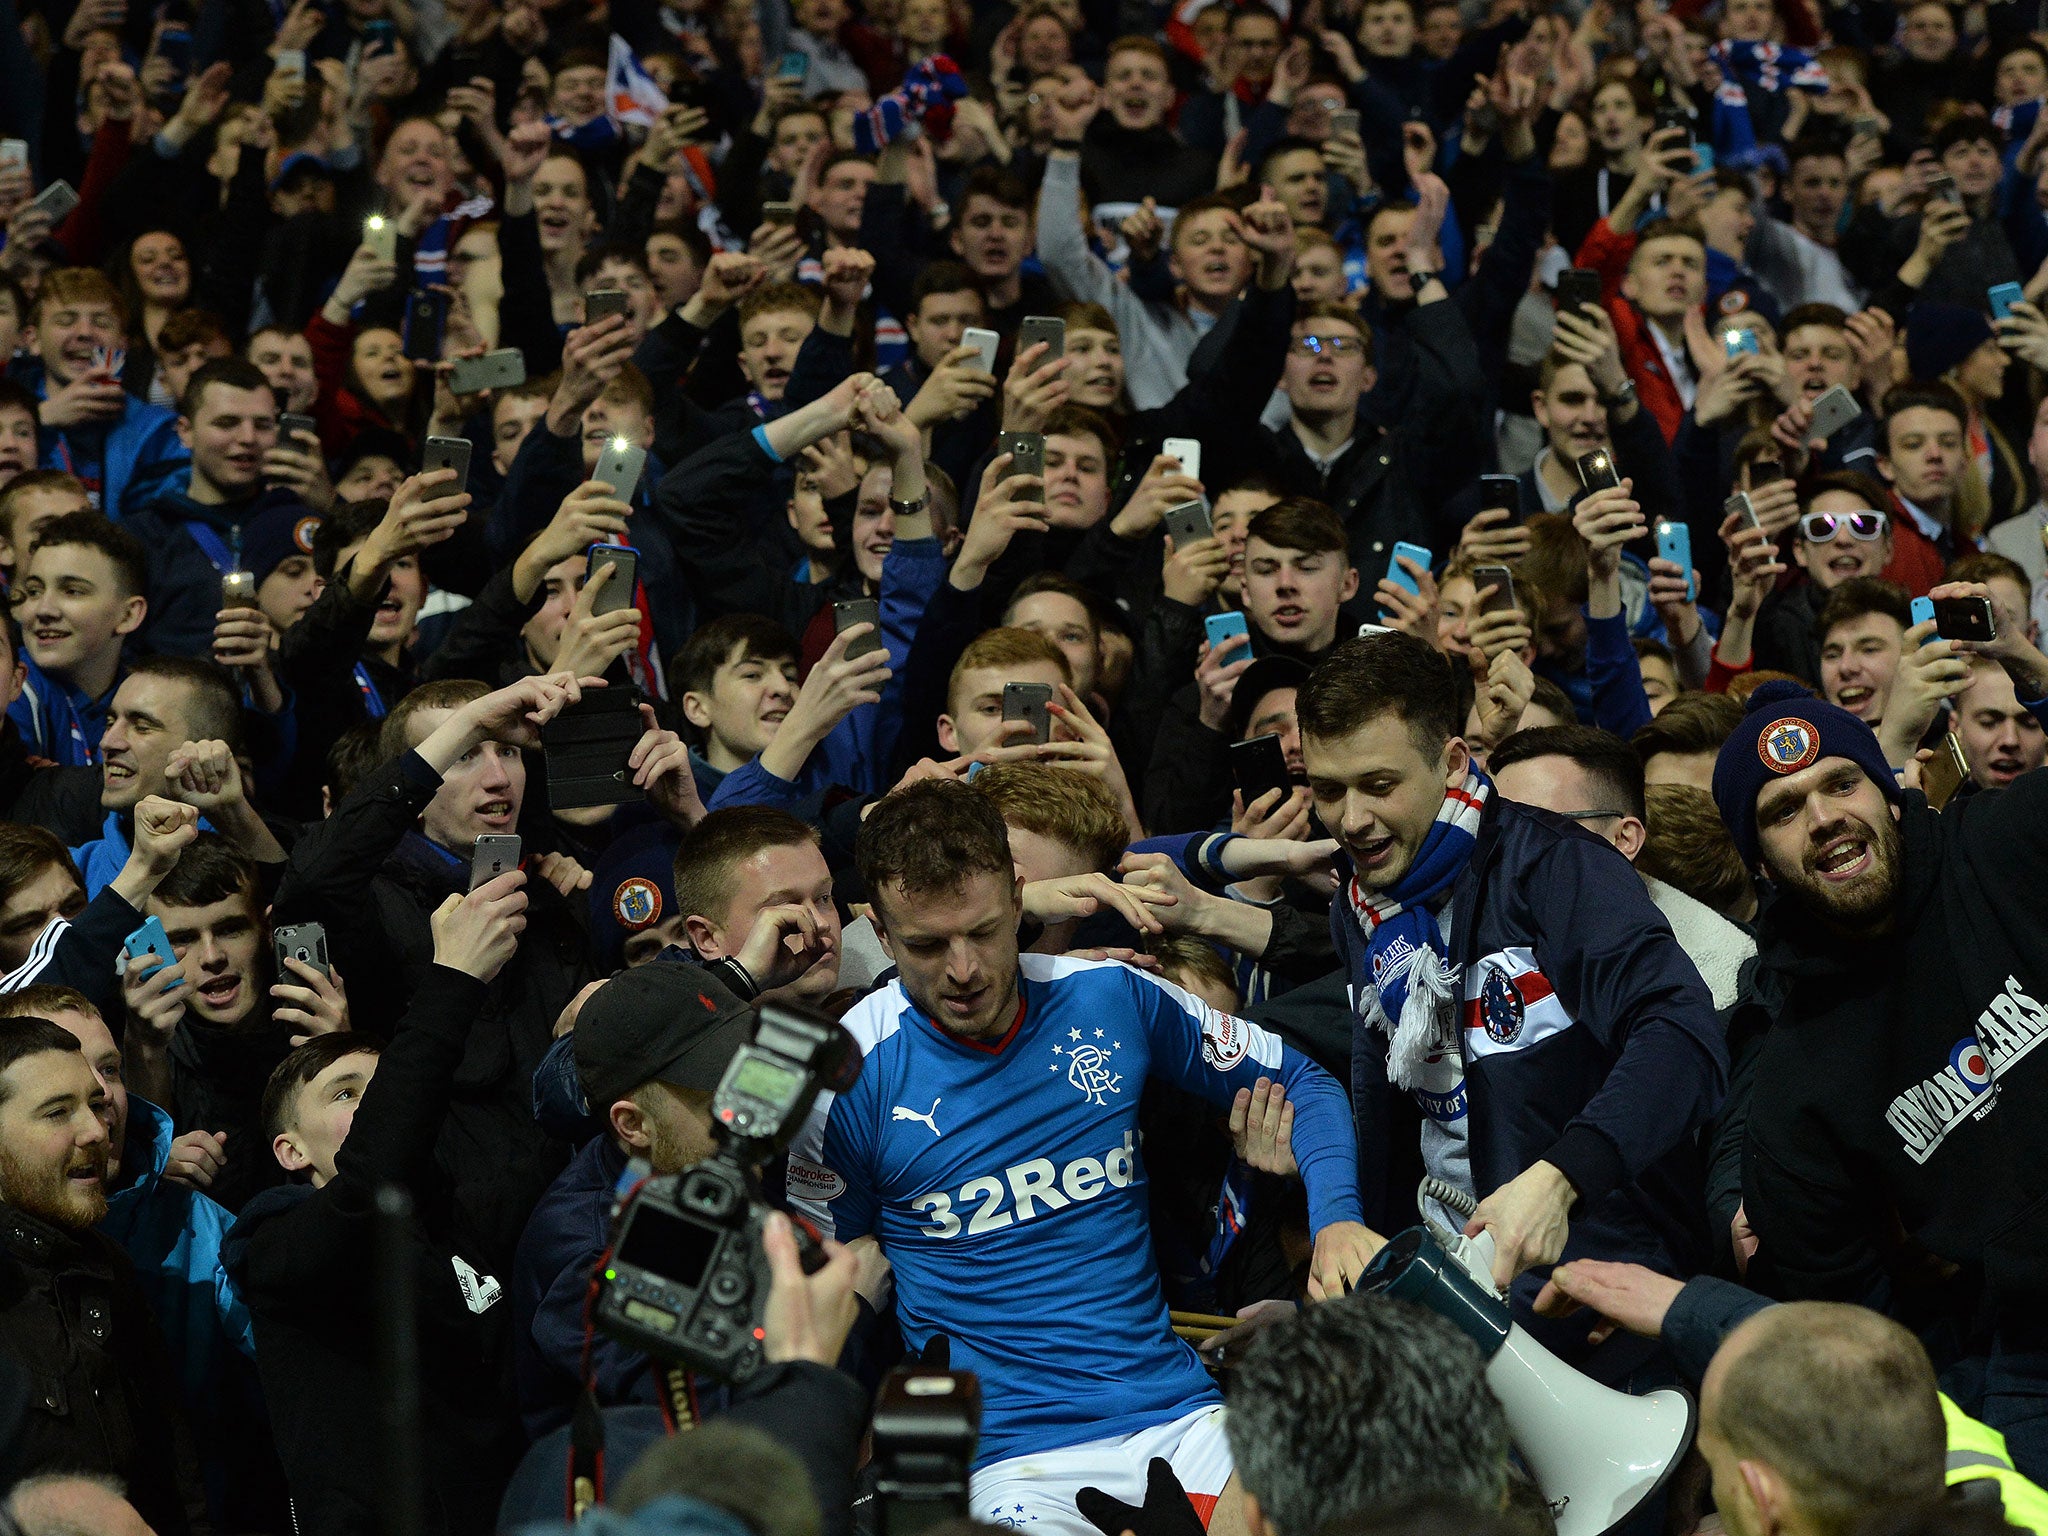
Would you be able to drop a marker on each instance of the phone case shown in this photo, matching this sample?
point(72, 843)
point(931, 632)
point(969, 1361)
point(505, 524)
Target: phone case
point(1674, 543)
point(1259, 765)
point(1398, 573)
point(859, 610)
point(426, 316)
point(1923, 609)
point(1220, 627)
point(586, 748)
point(2003, 296)
point(151, 940)
point(305, 942)
point(618, 591)
point(1189, 451)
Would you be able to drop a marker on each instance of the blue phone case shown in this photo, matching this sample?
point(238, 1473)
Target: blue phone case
point(1703, 157)
point(1221, 626)
point(1398, 575)
point(1674, 543)
point(150, 939)
point(1923, 609)
point(2003, 296)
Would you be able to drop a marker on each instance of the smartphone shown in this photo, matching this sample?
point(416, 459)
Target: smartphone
point(13, 152)
point(57, 200)
point(502, 369)
point(1763, 472)
point(600, 302)
point(624, 564)
point(1578, 288)
point(379, 37)
point(1866, 125)
point(1596, 470)
point(1501, 493)
point(780, 213)
point(426, 315)
point(293, 425)
point(303, 942)
point(859, 610)
point(1965, 618)
point(492, 856)
point(238, 589)
point(1259, 765)
point(1027, 455)
point(1187, 522)
point(1740, 506)
point(1398, 573)
point(1943, 774)
point(1674, 543)
point(1834, 410)
point(1502, 580)
point(986, 342)
point(381, 236)
point(1702, 156)
point(1942, 188)
point(586, 749)
point(2003, 296)
point(793, 65)
point(1740, 340)
point(1344, 123)
point(1046, 328)
point(620, 467)
point(1221, 628)
point(151, 943)
point(1027, 701)
point(1189, 451)
point(1671, 115)
point(289, 61)
point(1923, 611)
point(448, 453)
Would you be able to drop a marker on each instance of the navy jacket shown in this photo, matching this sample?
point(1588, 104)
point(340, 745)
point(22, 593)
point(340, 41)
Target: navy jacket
point(1590, 1042)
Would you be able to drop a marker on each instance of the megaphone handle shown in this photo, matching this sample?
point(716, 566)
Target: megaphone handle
point(1476, 1254)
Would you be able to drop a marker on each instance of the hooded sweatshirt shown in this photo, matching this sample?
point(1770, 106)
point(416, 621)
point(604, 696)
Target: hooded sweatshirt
point(1901, 1089)
point(191, 546)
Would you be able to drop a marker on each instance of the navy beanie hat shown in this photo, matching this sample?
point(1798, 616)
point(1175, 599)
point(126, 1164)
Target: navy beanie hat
point(1787, 729)
point(1942, 336)
point(633, 887)
point(276, 534)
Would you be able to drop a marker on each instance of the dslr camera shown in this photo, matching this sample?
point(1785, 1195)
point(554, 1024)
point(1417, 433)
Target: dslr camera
point(926, 1427)
point(686, 1279)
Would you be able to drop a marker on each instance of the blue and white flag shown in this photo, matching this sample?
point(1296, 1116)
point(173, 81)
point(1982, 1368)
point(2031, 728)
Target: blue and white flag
point(630, 93)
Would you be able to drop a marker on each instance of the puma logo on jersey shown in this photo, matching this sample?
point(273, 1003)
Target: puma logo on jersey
point(1024, 1188)
point(928, 1121)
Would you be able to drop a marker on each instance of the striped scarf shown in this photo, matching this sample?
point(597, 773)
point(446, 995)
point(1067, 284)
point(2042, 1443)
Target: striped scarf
point(1412, 980)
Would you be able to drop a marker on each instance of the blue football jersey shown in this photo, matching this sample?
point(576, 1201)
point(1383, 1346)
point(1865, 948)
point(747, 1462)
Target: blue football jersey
point(1007, 1187)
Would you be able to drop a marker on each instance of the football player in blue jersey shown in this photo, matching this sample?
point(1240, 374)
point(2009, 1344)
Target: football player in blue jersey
point(991, 1145)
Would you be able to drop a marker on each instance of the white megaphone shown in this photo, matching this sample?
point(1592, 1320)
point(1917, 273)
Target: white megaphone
point(1596, 1453)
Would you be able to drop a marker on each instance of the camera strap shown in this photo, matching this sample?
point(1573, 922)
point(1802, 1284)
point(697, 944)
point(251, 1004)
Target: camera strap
point(679, 1399)
point(586, 1454)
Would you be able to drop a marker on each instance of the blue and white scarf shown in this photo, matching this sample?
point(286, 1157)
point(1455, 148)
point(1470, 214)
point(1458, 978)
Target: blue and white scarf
point(1412, 980)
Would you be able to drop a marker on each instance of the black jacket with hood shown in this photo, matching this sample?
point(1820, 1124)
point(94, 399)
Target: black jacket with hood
point(1900, 1091)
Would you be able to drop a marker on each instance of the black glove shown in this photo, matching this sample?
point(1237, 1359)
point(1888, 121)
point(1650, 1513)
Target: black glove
point(1167, 1511)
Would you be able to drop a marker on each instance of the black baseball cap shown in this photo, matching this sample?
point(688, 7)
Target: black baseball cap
point(1254, 683)
point(666, 1021)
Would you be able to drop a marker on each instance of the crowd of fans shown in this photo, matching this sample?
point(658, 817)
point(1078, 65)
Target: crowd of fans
point(1305, 616)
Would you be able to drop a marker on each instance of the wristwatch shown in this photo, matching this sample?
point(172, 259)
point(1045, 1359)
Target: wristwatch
point(1420, 278)
point(1623, 396)
point(910, 508)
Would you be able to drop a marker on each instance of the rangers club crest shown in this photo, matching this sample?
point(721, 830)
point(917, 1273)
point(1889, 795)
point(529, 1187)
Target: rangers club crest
point(1500, 1008)
point(636, 903)
point(1788, 745)
point(1091, 1065)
